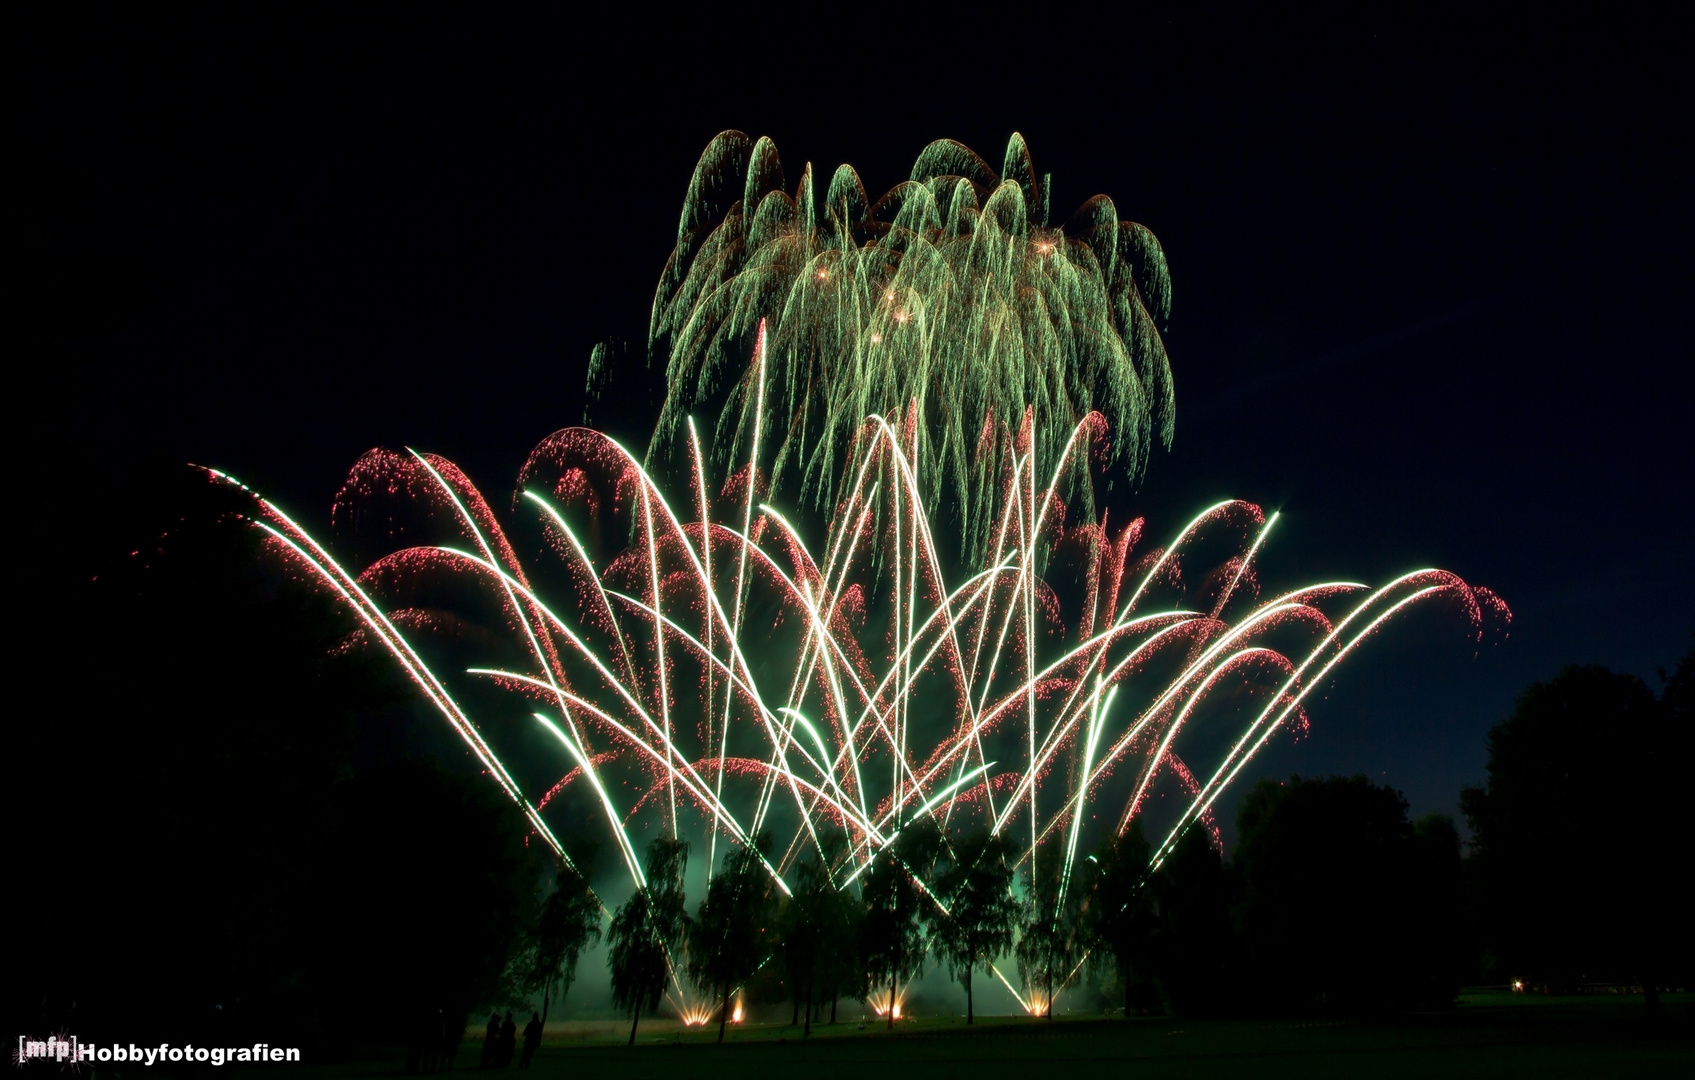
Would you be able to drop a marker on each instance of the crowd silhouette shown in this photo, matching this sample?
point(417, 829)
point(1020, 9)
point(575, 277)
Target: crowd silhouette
point(435, 1044)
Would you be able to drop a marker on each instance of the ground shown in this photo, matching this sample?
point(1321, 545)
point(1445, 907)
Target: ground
point(1499, 1036)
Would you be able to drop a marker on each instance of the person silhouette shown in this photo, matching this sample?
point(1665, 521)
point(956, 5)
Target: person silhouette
point(435, 1034)
point(532, 1039)
point(491, 1042)
point(428, 1040)
point(508, 1040)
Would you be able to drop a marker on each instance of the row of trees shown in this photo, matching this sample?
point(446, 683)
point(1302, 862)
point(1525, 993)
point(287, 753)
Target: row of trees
point(920, 895)
point(1335, 900)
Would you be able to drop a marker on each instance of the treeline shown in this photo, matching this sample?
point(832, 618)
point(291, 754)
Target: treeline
point(1334, 901)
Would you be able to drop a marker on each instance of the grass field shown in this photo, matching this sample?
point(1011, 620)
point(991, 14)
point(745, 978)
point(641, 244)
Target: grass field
point(1484, 1037)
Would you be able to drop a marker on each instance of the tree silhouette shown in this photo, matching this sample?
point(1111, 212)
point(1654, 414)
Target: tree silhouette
point(800, 937)
point(378, 918)
point(731, 934)
point(818, 935)
point(570, 920)
point(1445, 934)
point(892, 933)
point(1345, 904)
point(644, 931)
point(299, 895)
point(980, 911)
point(820, 929)
point(1116, 919)
point(1193, 941)
point(1047, 944)
point(1573, 853)
point(838, 969)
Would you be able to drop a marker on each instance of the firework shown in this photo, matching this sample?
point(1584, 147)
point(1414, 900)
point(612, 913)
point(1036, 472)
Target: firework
point(941, 628)
point(952, 290)
point(719, 676)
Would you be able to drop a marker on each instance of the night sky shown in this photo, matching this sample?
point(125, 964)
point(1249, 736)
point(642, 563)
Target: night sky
point(1431, 278)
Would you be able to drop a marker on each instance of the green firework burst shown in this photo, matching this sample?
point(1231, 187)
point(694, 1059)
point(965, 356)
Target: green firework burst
point(950, 300)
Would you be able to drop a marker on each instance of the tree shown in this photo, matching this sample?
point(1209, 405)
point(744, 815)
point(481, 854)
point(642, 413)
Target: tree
point(1046, 940)
point(1116, 919)
point(1678, 697)
point(838, 968)
point(645, 930)
point(980, 912)
point(1576, 837)
point(892, 937)
point(802, 934)
point(820, 931)
point(1193, 940)
point(1447, 935)
point(269, 734)
point(1345, 905)
point(798, 945)
point(450, 942)
point(570, 920)
point(730, 936)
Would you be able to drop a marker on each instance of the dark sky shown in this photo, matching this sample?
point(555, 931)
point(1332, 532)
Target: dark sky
point(1431, 276)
